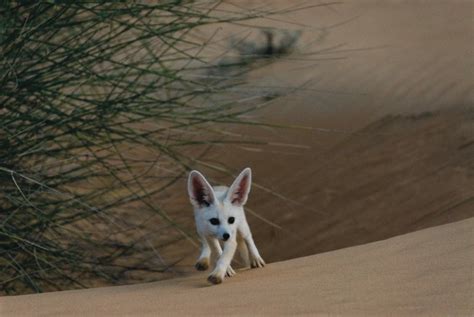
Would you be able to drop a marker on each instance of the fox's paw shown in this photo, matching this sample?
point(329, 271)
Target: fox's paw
point(215, 279)
point(202, 264)
point(230, 272)
point(257, 262)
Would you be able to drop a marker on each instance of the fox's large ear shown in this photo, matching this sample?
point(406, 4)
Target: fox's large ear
point(239, 191)
point(200, 192)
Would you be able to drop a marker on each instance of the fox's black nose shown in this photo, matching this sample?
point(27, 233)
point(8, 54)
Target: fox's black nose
point(226, 236)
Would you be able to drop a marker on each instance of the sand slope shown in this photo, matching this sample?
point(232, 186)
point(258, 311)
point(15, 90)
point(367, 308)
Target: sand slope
point(391, 149)
point(425, 272)
point(399, 174)
point(365, 175)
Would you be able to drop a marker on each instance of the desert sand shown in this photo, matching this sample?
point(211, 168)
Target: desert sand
point(387, 152)
point(390, 122)
point(429, 272)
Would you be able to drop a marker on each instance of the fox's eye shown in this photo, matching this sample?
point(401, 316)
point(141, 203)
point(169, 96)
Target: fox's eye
point(214, 221)
point(231, 220)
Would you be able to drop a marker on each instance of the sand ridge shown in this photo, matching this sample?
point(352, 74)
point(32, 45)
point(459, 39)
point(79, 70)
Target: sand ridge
point(394, 175)
point(428, 272)
point(389, 149)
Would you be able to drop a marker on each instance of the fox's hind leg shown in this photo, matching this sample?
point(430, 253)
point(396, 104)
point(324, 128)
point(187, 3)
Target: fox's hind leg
point(204, 258)
point(243, 250)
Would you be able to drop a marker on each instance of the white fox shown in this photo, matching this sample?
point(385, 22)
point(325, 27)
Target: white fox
point(219, 215)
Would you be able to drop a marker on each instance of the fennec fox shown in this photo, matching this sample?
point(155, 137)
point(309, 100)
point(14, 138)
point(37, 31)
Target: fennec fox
point(219, 215)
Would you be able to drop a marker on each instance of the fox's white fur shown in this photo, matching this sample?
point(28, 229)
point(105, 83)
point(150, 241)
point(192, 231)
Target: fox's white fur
point(219, 215)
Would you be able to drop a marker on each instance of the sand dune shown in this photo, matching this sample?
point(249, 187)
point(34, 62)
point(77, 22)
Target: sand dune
point(390, 150)
point(364, 175)
point(429, 272)
point(399, 174)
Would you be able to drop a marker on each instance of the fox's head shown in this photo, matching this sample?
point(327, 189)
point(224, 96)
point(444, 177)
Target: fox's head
point(218, 211)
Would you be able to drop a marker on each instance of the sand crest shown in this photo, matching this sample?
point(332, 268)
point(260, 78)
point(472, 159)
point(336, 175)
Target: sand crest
point(429, 272)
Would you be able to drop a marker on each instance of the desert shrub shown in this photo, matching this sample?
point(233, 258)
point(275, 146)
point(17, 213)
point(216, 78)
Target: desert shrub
point(97, 106)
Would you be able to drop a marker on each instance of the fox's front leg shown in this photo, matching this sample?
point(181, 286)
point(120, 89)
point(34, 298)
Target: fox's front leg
point(223, 263)
point(255, 258)
point(204, 258)
point(217, 247)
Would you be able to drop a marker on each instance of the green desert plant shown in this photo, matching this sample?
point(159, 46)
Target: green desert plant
point(97, 107)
